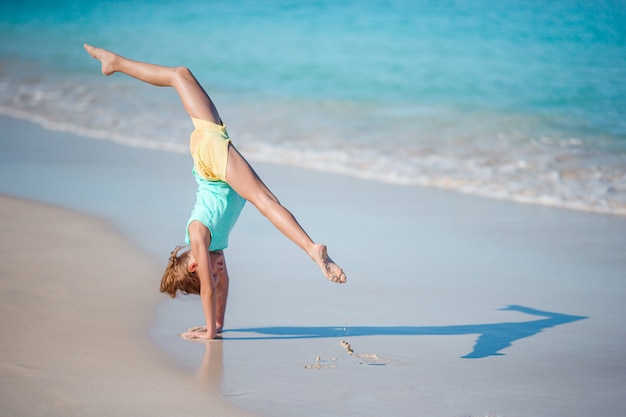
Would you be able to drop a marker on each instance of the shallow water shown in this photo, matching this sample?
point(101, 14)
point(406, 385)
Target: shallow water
point(513, 100)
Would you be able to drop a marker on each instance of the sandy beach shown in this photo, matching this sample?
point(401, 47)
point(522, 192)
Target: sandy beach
point(455, 306)
point(76, 304)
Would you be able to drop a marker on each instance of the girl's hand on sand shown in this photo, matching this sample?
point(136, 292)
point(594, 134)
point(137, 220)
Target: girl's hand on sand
point(197, 329)
point(197, 335)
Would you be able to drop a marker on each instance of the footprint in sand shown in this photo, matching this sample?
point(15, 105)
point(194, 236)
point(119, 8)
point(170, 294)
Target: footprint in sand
point(372, 357)
point(318, 364)
point(368, 358)
point(347, 347)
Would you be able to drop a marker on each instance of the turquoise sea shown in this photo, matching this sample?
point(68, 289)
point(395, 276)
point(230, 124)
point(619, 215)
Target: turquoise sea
point(520, 100)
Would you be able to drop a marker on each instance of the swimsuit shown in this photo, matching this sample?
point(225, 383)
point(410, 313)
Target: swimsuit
point(209, 149)
point(217, 206)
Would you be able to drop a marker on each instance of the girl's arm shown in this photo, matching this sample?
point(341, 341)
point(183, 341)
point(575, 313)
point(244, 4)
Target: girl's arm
point(200, 240)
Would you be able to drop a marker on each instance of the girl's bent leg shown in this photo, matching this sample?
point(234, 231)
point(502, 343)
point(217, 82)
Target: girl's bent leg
point(195, 100)
point(242, 178)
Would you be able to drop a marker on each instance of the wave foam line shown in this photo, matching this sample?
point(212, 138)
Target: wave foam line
point(299, 161)
point(469, 186)
point(132, 142)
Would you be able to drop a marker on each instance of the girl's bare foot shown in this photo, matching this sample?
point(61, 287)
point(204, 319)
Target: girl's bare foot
point(106, 58)
point(331, 270)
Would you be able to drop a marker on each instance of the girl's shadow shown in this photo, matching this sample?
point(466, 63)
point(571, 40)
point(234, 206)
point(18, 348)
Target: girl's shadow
point(491, 340)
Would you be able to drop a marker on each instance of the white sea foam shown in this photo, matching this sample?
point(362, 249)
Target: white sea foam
point(134, 142)
point(591, 193)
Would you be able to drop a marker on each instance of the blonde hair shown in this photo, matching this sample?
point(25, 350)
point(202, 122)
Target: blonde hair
point(177, 277)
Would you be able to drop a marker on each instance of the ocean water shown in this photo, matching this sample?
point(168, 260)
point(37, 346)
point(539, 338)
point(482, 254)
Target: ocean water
point(514, 99)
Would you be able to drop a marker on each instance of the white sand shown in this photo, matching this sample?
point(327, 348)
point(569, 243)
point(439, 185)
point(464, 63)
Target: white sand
point(435, 266)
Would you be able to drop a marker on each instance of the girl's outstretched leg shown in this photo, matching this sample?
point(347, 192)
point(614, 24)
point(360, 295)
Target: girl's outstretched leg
point(242, 178)
point(195, 100)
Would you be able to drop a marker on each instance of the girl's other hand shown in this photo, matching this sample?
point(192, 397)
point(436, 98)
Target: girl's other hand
point(198, 336)
point(197, 329)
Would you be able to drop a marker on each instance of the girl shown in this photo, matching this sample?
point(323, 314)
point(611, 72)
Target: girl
point(225, 181)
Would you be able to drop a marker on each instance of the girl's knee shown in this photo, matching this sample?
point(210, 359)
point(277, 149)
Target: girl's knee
point(182, 75)
point(182, 72)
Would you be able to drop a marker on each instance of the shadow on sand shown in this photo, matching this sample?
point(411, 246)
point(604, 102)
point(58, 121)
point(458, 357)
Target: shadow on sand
point(491, 340)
